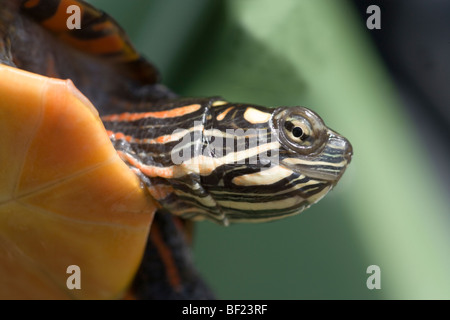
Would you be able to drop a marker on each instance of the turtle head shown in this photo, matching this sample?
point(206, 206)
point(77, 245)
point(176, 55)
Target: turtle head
point(232, 162)
point(275, 162)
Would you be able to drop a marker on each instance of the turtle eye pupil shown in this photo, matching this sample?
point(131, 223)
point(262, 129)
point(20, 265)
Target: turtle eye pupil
point(297, 132)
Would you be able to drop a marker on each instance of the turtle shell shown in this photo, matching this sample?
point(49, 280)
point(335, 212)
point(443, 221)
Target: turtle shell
point(66, 198)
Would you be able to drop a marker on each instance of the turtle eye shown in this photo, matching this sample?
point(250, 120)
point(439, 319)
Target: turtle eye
point(299, 129)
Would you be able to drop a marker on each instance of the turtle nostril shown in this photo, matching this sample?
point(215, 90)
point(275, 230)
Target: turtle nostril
point(348, 152)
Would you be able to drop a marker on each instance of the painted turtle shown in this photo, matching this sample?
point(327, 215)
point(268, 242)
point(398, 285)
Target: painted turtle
point(81, 190)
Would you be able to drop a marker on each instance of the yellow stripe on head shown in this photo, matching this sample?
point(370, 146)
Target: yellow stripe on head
point(253, 115)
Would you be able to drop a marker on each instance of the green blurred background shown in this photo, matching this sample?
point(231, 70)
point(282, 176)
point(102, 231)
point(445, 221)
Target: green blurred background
point(390, 209)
